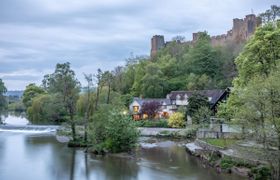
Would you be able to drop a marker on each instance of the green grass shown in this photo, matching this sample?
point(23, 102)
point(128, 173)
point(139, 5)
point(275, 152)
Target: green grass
point(221, 142)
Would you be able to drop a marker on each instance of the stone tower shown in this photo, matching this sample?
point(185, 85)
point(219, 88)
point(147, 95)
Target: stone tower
point(244, 28)
point(157, 42)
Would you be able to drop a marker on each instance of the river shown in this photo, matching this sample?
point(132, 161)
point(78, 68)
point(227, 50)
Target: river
point(37, 155)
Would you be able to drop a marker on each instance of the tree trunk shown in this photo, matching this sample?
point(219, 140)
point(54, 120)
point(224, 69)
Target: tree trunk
point(97, 98)
point(85, 130)
point(87, 116)
point(109, 91)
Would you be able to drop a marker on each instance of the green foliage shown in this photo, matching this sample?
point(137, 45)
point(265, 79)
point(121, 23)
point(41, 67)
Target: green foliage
point(30, 92)
point(176, 120)
point(255, 99)
point(178, 66)
point(152, 83)
point(202, 115)
point(271, 15)
point(221, 142)
point(260, 55)
point(64, 83)
point(227, 163)
point(262, 173)
point(47, 108)
point(121, 133)
point(204, 59)
point(196, 101)
point(3, 90)
point(197, 82)
point(112, 131)
point(161, 123)
point(16, 106)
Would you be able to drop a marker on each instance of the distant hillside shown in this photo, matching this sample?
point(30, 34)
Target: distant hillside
point(14, 93)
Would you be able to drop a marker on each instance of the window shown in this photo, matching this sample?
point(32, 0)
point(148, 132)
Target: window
point(145, 116)
point(135, 108)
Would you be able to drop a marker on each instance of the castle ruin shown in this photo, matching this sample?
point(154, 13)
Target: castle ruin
point(241, 31)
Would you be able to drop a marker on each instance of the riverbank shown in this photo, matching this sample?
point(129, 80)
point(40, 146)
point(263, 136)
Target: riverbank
point(238, 157)
point(168, 132)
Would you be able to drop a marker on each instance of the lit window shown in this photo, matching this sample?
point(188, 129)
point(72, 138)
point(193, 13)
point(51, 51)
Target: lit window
point(145, 116)
point(135, 108)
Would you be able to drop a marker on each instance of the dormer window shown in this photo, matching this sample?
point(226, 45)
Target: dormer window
point(178, 96)
point(135, 108)
point(186, 97)
point(209, 99)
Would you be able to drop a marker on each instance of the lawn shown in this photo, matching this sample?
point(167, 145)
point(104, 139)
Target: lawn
point(221, 142)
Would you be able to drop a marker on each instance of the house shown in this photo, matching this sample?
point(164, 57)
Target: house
point(176, 99)
point(215, 96)
point(164, 110)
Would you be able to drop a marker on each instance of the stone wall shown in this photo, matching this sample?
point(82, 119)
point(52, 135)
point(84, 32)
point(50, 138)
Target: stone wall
point(241, 31)
point(216, 135)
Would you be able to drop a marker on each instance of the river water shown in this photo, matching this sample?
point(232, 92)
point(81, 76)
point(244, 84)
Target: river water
point(37, 155)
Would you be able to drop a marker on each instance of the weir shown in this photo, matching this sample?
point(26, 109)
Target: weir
point(29, 128)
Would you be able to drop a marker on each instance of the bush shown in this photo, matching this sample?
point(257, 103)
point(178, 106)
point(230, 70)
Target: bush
point(262, 173)
point(202, 116)
point(152, 123)
point(112, 131)
point(227, 163)
point(176, 120)
point(121, 133)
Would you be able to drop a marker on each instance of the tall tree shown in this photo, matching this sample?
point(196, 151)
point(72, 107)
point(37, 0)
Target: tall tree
point(107, 79)
point(64, 82)
point(99, 83)
point(89, 79)
point(3, 90)
point(260, 55)
point(152, 83)
point(30, 92)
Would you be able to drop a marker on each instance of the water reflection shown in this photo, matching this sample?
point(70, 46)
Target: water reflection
point(41, 156)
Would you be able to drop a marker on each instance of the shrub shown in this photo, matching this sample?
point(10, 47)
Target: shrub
point(262, 173)
point(152, 123)
point(227, 163)
point(121, 133)
point(176, 120)
point(202, 115)
point(112, 131)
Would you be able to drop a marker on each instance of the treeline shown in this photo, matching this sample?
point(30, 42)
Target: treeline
point(178, 66)
point(98, 111)
point(254, 103)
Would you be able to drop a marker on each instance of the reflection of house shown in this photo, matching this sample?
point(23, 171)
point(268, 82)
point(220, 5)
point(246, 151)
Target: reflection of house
point(176, 99)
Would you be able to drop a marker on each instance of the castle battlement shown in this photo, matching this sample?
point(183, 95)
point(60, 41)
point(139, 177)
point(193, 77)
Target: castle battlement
point(241, 30)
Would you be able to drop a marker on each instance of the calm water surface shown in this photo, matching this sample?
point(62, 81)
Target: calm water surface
point(39, 156)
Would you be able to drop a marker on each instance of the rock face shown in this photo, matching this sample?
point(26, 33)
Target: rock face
point(241, 31)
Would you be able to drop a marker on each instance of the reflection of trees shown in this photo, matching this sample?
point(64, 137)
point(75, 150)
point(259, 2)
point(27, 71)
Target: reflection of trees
point(57, 157)
point(86, 166)
point(73, 163)
point(113, 167)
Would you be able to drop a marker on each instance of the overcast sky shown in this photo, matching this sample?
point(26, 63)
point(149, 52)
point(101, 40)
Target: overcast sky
point(91, 34)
